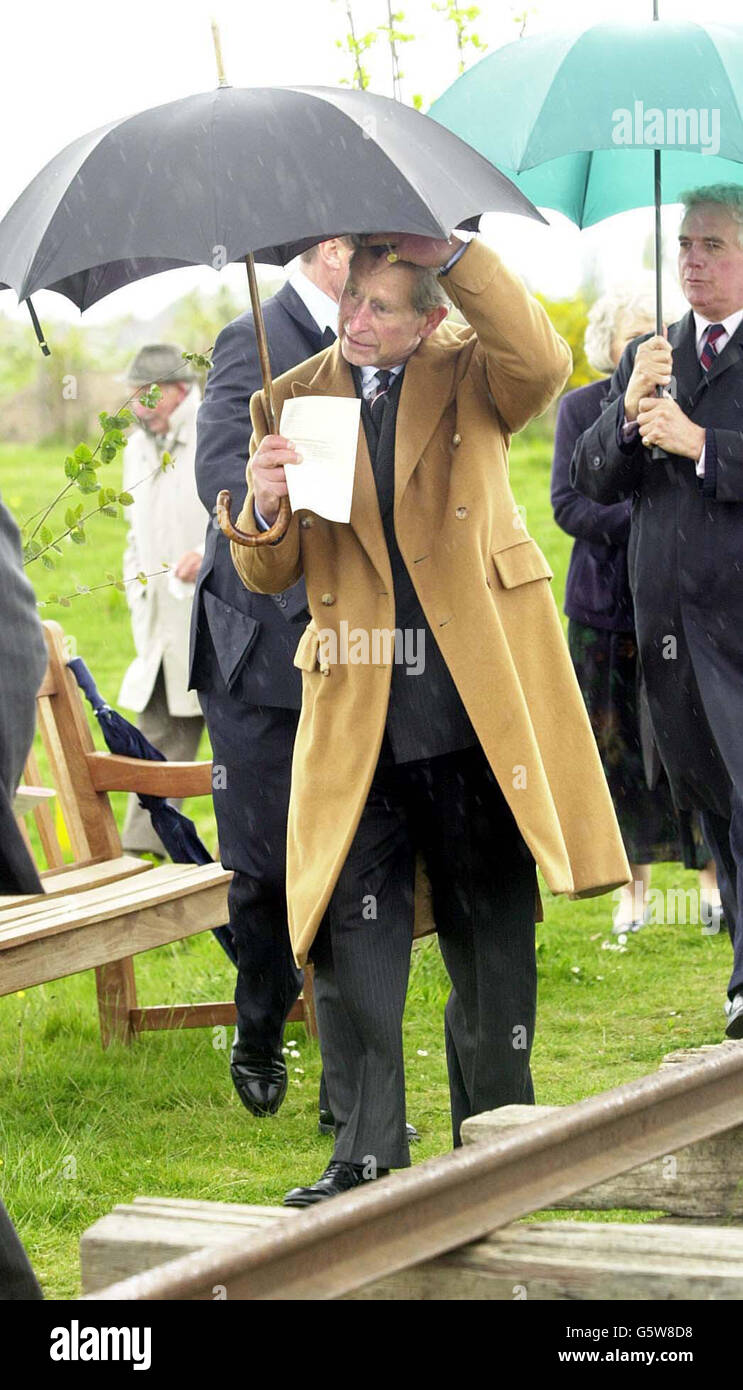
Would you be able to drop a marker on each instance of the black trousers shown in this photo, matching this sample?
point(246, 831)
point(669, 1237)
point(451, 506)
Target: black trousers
point(252, 752)
point(725, 839)
point(484, 892)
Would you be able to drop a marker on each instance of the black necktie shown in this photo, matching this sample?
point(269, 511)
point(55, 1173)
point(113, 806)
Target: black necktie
point(378, 401)
point(328, 338)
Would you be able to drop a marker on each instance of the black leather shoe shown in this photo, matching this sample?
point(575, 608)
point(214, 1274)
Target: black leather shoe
point(734, 1027)
point(326, 1125)
point(338, 1177)
point(260, 1081)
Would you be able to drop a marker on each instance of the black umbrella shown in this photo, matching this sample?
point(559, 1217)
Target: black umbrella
point(176, 831)
point(240, 174)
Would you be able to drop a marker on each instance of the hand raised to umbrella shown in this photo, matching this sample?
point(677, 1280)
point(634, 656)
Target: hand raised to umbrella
point(269, 478)
point(417, 250)
point(653, 367)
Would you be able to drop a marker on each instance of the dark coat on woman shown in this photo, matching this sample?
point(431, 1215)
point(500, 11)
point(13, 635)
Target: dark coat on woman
point(597, 591)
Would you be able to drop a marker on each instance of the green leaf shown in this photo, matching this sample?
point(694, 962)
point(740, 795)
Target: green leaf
point(166, 461)
point(109, 511)
point(151, 397)
point(142, 577)
point(126, 499)
point(111, 494)
point(82, 588)
point(109, 451)
point(64, 601)
point(87, 481)
point(71, 467)
point(31, 550)
point(48, 562)
point(83, 454)
point(78, 536)
point(120, 586)
point(52, 598)
point(69, 518)
point(110, 577)
point(45, 536)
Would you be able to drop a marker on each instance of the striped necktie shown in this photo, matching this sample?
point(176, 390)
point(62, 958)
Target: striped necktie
point(710, 351)
point(378, 400)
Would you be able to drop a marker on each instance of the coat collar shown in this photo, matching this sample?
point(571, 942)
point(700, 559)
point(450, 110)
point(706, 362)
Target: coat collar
point(428, 387)
point(683, 339)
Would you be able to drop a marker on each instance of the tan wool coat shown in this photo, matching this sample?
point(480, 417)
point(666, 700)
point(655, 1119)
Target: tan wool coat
point(483, 583)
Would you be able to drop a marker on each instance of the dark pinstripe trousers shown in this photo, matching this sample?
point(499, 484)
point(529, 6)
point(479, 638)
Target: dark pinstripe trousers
point(484, 891)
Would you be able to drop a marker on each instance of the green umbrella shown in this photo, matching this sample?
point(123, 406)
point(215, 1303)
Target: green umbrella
point(581, 120)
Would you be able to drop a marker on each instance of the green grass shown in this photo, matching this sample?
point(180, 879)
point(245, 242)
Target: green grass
point(81, 1130)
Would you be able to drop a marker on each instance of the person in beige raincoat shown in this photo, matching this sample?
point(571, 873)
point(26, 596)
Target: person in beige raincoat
point(166, 528)
point(481, 756)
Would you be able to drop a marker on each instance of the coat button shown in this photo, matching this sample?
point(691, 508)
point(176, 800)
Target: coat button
point(597, 461)
point(456, 440)
point(328, 600)
point(461, 513)
point(306, 521)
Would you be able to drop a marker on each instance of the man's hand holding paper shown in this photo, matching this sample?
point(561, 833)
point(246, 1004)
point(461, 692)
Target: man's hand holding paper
point(322, 452)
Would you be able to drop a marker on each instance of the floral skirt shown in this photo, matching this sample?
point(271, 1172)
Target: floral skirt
point(653, 830)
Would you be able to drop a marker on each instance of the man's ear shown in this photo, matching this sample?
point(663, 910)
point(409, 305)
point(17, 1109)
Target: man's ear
point(433, 318)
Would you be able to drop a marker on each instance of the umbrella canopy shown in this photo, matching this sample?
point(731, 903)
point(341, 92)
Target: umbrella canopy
point(212, 177)
point(575, 116)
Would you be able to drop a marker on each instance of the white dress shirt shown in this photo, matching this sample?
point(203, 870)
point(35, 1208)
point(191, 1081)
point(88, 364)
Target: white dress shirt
point(323, 309)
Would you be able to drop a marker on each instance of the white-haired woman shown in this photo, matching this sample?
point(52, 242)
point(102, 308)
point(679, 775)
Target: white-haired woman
point(601, 629)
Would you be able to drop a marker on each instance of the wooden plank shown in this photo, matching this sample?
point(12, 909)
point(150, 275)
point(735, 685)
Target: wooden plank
point(67, 740)
point(158, 1016)
point(44, 819)
point(117, 997)
point(28, 963)
point(166, 883)
point(442, 1203)
point(537, 1261)
point(698, 1180)
point(111, 772)
point(79, 878)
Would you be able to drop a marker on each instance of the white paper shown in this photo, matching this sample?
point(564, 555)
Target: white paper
point(325, 430)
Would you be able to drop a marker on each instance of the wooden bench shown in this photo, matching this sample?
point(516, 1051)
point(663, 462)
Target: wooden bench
point(105, 907)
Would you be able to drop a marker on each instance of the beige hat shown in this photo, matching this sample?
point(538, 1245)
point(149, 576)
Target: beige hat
point(159, 362)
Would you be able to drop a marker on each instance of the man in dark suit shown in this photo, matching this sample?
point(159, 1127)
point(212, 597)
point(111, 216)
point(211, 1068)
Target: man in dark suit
point(685, 560)
point(22, 666)
point(242, 647)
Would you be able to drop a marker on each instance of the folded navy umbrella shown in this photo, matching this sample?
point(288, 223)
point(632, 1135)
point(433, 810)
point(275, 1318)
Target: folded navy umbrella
point(176, 831)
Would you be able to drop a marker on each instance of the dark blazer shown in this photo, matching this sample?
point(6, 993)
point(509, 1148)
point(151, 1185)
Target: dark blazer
point(685, 565)
point(597, 591)
point(254, 636)
point(22, 666)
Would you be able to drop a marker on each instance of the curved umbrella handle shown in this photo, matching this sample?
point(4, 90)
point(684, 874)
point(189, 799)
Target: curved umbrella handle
point(233, 533)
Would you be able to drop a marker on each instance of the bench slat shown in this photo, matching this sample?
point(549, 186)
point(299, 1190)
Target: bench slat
point(78, 878)
point(115, 935)
point(169, 882)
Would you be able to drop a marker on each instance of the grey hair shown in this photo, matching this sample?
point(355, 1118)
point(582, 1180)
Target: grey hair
point(427, 292)
point(638, 297)
point(728, 195)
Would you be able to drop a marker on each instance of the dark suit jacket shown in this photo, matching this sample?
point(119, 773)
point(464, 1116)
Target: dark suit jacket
point(254, 636)
point(685, 564)
point(22, 666)
point(597, 591)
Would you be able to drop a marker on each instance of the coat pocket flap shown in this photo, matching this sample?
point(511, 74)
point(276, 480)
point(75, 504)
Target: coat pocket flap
point(520, 564)
point(305, 656)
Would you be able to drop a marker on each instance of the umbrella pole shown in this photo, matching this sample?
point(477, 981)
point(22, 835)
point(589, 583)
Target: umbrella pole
point(260, 333)
point(224, 500)
point(658, 249)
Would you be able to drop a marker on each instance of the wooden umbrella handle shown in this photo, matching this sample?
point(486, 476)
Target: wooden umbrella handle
point(233, 533)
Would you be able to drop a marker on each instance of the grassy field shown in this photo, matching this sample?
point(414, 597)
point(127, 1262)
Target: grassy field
point(81, 1130)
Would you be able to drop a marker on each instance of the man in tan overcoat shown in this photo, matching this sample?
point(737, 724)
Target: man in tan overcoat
point(466, 739)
